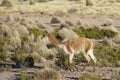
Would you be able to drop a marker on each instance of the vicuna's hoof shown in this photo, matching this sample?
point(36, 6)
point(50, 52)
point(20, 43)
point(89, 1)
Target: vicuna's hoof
point(72, 68)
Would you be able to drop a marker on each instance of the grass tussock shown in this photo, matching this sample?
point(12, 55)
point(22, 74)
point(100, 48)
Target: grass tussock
point(5, 68)
point(3, 44)
point(25, 76)
point(63, 61)
point(90, 2)
point(88, 76)
point(47, 75)
point(22, 59)
point(55, 20)
point(6, 3)
point(40, 75)
point(36, 32)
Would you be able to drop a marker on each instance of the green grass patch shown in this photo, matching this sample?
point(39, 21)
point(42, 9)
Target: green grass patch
point(36, 32)
point(107, 56)
point(3, 44)
point(95, 32)
point(63, 61)
point(5, 68)
point(25, 76)
point(88, 76)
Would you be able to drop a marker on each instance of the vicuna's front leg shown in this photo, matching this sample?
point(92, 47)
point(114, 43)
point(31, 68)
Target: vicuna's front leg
point(71, 57)
point(71, 66)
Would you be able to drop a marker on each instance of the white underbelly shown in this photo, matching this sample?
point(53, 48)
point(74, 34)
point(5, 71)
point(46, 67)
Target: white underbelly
point(64, 49)
point(81, 50)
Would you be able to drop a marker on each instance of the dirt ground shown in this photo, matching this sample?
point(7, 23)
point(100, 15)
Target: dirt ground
point(106, 73)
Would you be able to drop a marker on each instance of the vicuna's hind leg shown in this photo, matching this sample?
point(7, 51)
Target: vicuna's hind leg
point(90, 53)
point(88, 60)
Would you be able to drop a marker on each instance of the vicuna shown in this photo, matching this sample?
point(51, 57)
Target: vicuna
point(75, 46)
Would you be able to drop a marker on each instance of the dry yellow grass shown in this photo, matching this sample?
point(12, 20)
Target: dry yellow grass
point(104, 7)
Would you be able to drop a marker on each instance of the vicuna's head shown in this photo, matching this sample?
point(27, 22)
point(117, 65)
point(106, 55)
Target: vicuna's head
point(51, 38)
point(45, 34)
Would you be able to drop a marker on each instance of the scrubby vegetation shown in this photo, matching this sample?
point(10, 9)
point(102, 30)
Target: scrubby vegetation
point(22, 60)
point(36, 32)
point(107, 56)
point(3, 42)
point(6, 3)
point(47, 75)
point(22, 22)
point(55, 20)
point(88, 76)
point(5, 68)
point(25, 76)
point(95, 32)
point(40, 75)
point(63, 60)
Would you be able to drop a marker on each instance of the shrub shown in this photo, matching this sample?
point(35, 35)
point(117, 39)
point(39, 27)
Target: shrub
point(56, 34)
point(69, 23)
point(3, 43)
point(29, 61)
point(51, 56)
point(22, 59)
point(73, 10)
point(31, 2)
point(63, 60)
point(95, 32)
point(88, 76)
point(78, 22)
point(2, 69)
point(25, 76)
point(24, 38)
point(118, 0)
point(107, 56)
point(78, 58)
point(5, 68)
point(36, 32)
point(6, 3)
point(44, 0)
point(55, 20)
point(64, 26)
point(90, 3)
point(47, 75)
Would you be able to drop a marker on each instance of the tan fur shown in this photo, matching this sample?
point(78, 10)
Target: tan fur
point(75, 45)
point(53, 40)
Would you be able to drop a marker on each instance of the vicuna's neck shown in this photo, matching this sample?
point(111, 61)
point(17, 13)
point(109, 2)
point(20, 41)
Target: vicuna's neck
point(53, 40)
